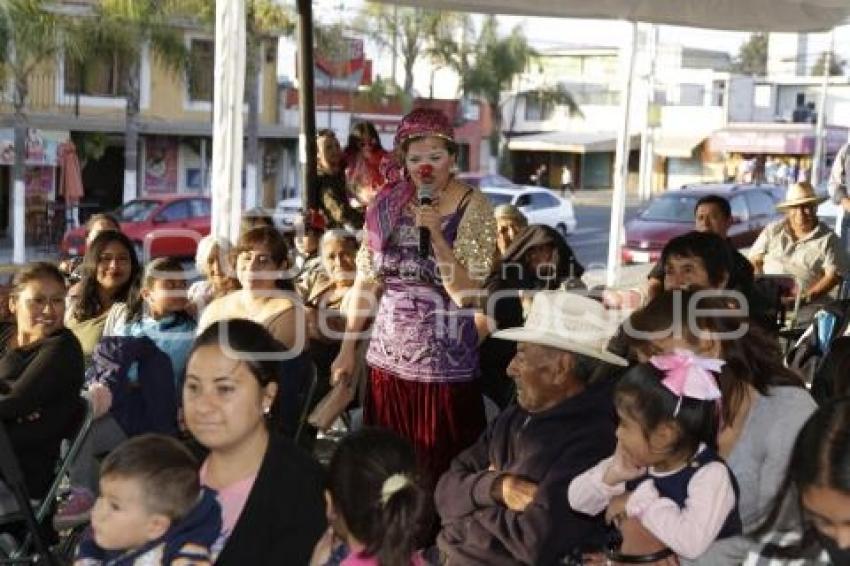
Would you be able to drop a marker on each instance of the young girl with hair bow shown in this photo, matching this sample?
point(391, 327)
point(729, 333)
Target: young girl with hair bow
point(665, 476)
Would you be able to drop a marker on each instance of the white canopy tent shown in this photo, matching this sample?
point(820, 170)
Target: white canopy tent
point(741, 15)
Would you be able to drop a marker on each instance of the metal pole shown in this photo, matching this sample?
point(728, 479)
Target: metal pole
point(621, 162)
point(820, 152)
point(307, 138)
point(646, 138)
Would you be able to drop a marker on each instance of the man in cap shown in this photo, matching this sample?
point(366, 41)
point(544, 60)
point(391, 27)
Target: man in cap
point(502, 501)
point(802, 246)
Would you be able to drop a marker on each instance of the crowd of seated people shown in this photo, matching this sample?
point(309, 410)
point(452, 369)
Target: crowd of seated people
point(672, 434)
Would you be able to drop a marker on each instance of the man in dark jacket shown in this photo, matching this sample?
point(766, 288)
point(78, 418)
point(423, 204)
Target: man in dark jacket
point(503, 501)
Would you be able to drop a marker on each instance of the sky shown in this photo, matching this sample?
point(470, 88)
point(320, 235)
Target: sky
point(549, 33)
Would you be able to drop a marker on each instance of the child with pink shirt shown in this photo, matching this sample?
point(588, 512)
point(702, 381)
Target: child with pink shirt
point(665, 472)
point(377, 509)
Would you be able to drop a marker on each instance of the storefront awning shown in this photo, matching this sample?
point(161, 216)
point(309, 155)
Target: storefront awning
point(681, 146)
point(774, 139)
point(567, 142)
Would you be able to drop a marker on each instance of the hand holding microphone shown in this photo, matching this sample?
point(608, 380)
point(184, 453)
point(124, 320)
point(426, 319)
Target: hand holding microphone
point(427, 219)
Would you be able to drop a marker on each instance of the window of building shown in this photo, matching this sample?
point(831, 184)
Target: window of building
point(200, 72)
point(102, 75)
point(691, 94)
point(537, 108)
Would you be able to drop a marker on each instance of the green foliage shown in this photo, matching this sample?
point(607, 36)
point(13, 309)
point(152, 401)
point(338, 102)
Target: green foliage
point(124, 27)
point(836, 65)
point(496, 61)
point(29, 37)
point(416, 31)
point(752, 56)
point(330, 42)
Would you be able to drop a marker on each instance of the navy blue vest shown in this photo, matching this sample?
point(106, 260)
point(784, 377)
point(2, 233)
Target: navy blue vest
point(675, 487)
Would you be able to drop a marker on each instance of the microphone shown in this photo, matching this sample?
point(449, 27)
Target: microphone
point(426, 198)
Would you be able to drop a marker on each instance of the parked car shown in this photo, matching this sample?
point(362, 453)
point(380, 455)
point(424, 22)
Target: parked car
point(166, 225)
point(672, 214)
point(541, 206)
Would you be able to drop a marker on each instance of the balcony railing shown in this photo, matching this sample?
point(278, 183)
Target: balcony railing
point(46, 95)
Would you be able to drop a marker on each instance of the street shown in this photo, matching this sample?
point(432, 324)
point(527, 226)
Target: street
point(590, 240)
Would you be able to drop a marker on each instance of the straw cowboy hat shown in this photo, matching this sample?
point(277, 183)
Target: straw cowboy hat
point(570, 322)
point(799, 194)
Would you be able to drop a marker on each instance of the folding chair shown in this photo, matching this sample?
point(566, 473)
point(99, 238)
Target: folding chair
point(34, 518)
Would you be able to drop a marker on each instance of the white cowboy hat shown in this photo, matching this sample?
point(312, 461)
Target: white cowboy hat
point(799, 194)
point(570, 322)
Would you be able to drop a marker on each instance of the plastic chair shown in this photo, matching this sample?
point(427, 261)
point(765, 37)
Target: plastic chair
point(33, 516)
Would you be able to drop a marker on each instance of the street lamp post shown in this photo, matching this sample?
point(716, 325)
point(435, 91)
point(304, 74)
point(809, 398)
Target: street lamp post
point(820, 142)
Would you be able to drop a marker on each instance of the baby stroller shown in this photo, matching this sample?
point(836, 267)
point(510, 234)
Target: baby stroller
point(31, 516)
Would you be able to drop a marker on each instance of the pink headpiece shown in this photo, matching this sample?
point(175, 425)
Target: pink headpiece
point(423, 122)
point(688, 375)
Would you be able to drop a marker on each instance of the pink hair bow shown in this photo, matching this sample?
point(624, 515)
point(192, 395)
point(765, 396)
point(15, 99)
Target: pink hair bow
point(689, 375)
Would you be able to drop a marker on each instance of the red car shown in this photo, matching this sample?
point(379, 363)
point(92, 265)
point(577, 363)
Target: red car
point(672, 214)
point(166, 226)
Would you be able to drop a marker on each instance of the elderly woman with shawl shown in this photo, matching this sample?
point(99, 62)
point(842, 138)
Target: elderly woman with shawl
point(422, 358)
point(538, 259)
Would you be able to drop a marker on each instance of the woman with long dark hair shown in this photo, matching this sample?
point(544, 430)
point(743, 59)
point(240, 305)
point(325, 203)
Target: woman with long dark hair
point(363, 156)
point(110, 269)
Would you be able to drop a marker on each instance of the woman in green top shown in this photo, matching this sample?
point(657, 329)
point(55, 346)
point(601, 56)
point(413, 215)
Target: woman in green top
point(110, 267)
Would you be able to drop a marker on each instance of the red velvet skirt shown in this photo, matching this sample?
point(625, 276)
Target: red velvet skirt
point(439, 419)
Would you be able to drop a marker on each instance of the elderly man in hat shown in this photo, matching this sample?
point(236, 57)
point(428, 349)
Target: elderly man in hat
point(502, 501)
point(510, 222)
point(802, 246)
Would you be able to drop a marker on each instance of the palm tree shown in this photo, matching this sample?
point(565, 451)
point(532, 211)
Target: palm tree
point(29, 36)
point(123, 29)
point(487, 67)
point(406, 32)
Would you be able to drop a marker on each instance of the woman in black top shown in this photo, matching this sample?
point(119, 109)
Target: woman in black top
point(41, 373)
point(270, 491)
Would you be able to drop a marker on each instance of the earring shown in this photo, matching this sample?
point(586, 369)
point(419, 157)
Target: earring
point(266, 410)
